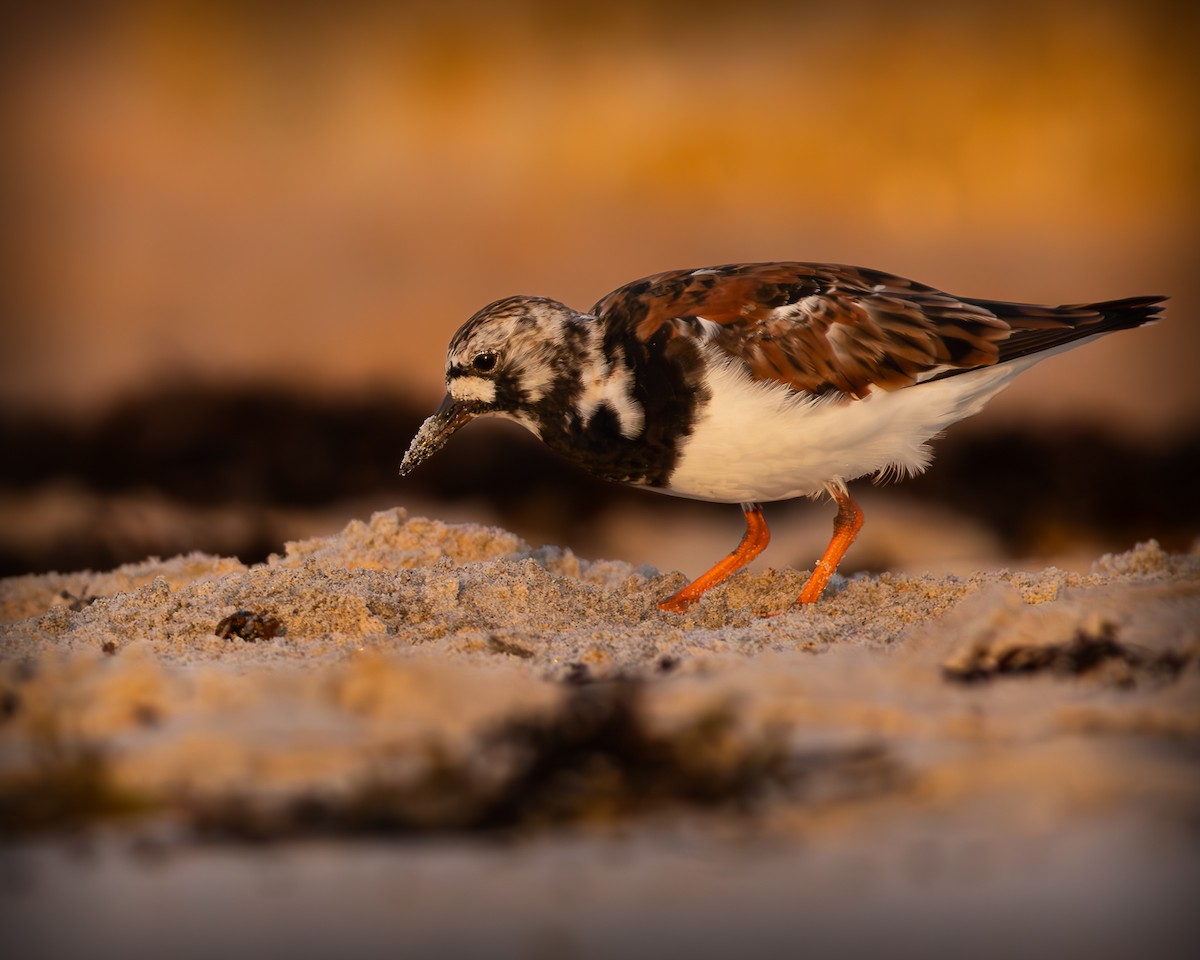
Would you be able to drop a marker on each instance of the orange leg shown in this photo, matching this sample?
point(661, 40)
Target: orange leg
point(753, 543)
point(846, 524)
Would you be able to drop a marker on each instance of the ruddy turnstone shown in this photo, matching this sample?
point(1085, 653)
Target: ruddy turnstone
point(752, 382)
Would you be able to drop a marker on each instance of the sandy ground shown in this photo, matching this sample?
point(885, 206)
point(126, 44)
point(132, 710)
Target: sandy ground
point(429, 736)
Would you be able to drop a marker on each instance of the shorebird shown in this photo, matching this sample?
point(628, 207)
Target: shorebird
point(753, 382)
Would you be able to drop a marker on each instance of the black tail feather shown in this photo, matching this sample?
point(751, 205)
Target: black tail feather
point(1035, 328)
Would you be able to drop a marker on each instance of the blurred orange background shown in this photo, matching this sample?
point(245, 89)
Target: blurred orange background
point(313, 199)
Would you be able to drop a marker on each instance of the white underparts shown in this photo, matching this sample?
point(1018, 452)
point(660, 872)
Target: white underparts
point(758, 440)
point(472, 389)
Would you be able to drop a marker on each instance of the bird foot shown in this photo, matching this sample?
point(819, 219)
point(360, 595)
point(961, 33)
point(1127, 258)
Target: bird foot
point(676, 604)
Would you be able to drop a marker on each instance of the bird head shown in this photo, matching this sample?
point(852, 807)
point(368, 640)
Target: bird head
point(503, 362)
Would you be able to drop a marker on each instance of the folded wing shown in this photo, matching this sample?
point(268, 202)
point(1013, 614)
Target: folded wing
point(828, 328)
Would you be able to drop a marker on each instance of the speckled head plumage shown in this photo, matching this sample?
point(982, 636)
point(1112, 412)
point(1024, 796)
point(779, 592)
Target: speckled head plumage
point(510, 354)
point(516, 358)
point(747, 383)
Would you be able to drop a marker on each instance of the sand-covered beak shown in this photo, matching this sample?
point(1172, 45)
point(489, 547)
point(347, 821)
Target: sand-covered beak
point(435, 431)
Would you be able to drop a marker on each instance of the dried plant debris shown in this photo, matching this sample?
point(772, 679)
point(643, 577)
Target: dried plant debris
point(78, 601)
point(250, 626)
point(1093, 651)
point(593, 760)
point(497, 644)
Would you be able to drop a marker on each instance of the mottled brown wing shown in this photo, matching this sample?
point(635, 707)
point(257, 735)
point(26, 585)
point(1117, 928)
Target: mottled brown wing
point(827, 327)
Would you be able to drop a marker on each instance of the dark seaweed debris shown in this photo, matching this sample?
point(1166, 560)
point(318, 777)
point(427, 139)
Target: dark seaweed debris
point(250, 626)
point(593, 760)
point(1087, 654)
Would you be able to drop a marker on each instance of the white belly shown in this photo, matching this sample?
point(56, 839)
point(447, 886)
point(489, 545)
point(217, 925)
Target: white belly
point(758, 441)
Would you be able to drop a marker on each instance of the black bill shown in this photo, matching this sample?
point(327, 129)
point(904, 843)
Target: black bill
point(435, 431)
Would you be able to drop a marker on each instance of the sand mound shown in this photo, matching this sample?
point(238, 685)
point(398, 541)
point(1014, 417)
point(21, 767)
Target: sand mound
point(372, 663)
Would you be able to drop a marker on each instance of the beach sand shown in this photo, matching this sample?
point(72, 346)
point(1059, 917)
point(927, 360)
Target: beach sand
point(420, 736)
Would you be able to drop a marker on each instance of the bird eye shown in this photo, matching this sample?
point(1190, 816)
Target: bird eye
point(484, 362)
